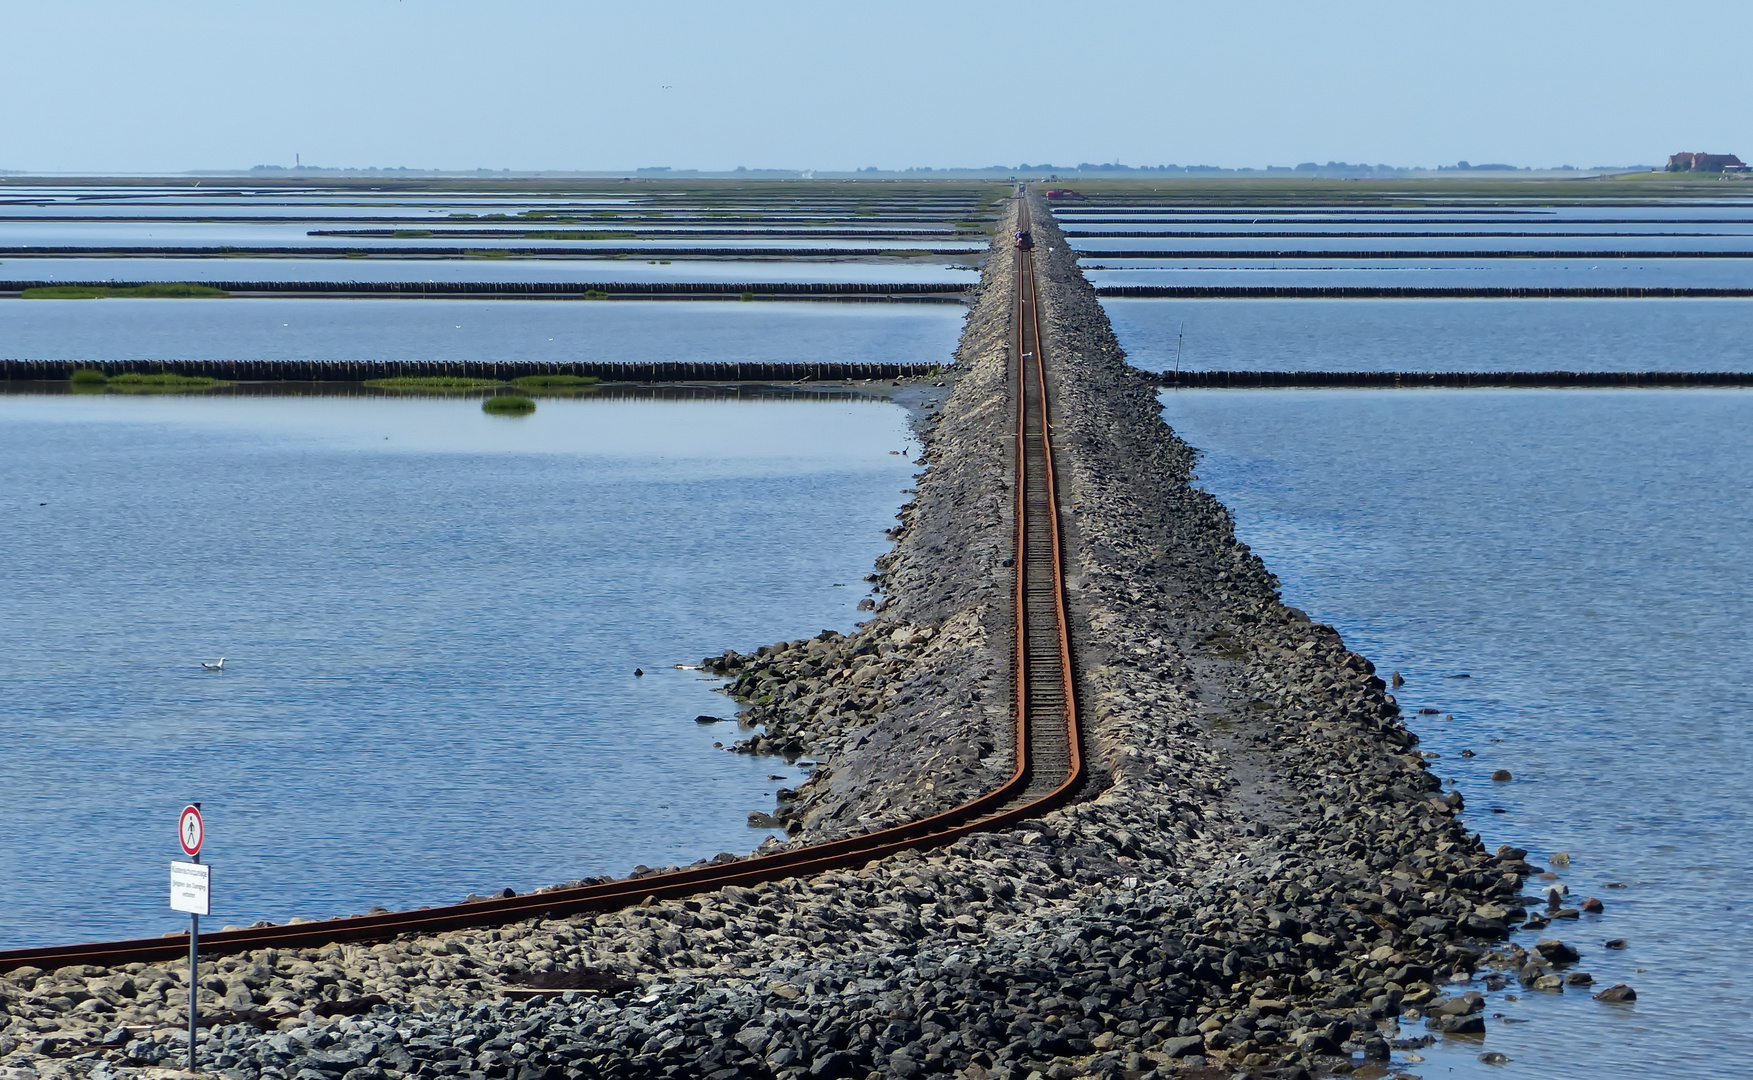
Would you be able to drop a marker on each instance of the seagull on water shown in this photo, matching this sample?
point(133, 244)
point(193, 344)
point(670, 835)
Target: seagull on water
point(214, 667)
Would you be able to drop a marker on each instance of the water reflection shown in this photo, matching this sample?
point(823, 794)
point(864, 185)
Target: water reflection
point(432, 618)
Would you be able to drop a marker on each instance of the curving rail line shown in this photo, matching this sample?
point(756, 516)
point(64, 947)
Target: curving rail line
point(1049, 765)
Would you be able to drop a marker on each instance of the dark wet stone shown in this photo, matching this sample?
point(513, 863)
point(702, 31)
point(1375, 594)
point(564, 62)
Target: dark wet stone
point(1458, 1006)
point(1470, 1024)
point(1184, 1046)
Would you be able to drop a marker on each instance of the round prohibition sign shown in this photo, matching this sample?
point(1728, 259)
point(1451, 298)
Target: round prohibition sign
point(191, 831)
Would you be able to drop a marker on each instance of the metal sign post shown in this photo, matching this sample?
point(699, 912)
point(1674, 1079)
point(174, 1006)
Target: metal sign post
point(191, 891)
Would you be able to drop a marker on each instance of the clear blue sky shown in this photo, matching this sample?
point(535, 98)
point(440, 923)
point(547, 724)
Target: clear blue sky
point(169, 85)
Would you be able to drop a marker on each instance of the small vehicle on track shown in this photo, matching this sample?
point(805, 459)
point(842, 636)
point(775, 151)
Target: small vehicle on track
point(1025, 242)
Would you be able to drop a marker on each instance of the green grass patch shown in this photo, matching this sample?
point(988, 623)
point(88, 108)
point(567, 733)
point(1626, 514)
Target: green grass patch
point(747, 297)
point(411, 234)
point(87, 377)
point(449, 383)
point(580, 236)
point(509, 405)
point(554, 382)
point(595, 294)
point(158, 382)
point(487, 253)
point(155, 290)
point(1225, 644)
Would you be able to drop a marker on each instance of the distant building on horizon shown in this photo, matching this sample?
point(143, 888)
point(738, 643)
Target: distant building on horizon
point(1705, 163)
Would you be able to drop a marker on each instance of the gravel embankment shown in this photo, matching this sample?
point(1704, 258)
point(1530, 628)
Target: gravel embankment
point(1263, 874)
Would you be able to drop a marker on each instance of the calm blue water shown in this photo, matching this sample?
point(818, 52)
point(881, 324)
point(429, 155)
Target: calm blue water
point(294, 328)
point(509, 269)
point(1093, 249)
point(158, 234)
point(1466, 273)
point(1679, 210)
point(221, 197)
point(1253, 266)
point(1436, 335)
point(224, 200)
point(1587, 558)
point(431, 619)
point(1448, 228)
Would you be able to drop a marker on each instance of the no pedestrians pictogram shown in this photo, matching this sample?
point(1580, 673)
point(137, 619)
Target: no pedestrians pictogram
point(190, 831)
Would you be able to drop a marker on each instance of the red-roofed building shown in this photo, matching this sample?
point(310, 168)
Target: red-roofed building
point(1705, 163)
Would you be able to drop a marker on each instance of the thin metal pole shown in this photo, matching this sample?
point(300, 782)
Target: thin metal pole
point(194, 968)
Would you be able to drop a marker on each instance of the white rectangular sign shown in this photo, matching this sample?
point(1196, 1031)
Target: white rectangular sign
point(189, 887)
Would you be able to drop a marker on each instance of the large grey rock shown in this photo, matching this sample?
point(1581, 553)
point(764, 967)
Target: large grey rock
point(336, 1059)
point(1466, 1024)
point(1184, 1046)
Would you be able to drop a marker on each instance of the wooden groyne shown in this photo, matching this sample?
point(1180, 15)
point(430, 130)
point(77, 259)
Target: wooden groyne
point(227, 251)
point(1400, 234)
point(1290, 227)
point(1156, 205)
point(361, 370)
point(629, 230)
point(1391, 253)
point(606, 391)
point(1412, 292)
point(574, 290)
point(1235, 380)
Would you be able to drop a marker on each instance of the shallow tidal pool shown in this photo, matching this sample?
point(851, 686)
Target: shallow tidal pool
point(431, 620)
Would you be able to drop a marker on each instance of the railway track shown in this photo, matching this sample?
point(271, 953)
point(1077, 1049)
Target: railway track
point(1045, 686)
point(1047, 773)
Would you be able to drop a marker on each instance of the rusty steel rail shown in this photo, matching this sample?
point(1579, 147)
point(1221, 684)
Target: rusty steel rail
point(1045, 683)
point(1047, 773)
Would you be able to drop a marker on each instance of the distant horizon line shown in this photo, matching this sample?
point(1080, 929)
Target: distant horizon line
point(1085, 170)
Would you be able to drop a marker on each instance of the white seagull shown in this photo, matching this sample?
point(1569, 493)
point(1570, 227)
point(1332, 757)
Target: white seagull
point(214, 667)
